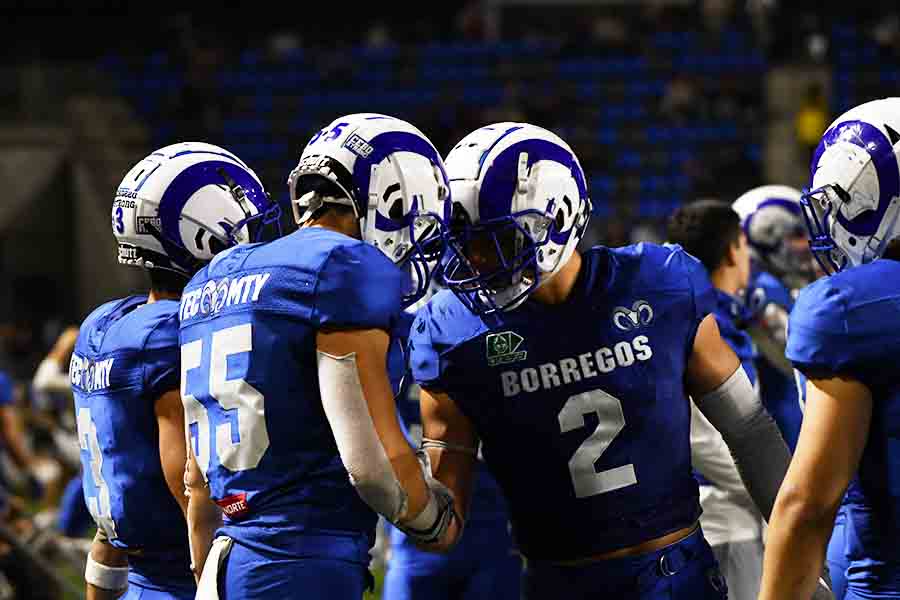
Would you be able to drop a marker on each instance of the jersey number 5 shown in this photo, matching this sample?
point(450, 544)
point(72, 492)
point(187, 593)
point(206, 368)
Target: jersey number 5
point(235, 407)
point(585, 477)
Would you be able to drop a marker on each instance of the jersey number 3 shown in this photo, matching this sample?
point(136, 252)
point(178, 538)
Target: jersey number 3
point(585, 477)
point(235, 407)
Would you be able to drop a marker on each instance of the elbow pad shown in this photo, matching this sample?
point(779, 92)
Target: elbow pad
point(357, 440)
point(759, 451)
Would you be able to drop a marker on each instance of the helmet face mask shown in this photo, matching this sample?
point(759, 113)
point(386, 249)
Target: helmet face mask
point(392, 177)
point(493, 265)
point(818, 206)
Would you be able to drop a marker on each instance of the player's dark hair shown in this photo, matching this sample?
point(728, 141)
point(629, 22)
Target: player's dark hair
point(326, 187)
point(337, 209)
point(166, 281)
point(706, 229)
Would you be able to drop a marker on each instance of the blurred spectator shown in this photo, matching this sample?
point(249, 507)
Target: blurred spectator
point(811, 120)
point(475, 23)
point(886, 34)
point(716, 14)
point(13, 438)
point(51, 374)
point(682, 99)
point(52, 379)
point(378, 37)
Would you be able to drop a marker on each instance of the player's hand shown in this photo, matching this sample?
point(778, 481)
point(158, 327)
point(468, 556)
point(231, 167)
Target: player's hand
point(446, 542)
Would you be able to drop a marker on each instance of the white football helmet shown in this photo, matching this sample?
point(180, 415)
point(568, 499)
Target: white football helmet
point(393, 178)
point(520, 202)
point(180, 205)
point(772, 220)
point(853, 204)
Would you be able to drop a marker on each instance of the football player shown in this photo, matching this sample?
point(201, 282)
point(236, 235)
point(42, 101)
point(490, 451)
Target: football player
point(172, 212)
point(711, 231)
point(573, 371)
point(284, 382)
point(842, 336)
point(782, 264)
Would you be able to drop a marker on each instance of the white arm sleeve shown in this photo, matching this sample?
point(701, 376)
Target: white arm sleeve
point(50, 377)
point(758, 449)
point(357, 440)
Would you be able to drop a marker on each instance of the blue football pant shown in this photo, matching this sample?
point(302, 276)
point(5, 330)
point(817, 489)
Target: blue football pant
point(138, 592)
point(250, 574)
point(836, 556)
point(685, 570)
point(482, 565)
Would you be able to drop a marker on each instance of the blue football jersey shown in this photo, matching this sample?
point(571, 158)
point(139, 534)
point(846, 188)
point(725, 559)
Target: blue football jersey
point(845, 324)
point(765, 289)
point(728, 312)
point(581, 407)
point(126, 357)
point(250, 386)
point(778, 389)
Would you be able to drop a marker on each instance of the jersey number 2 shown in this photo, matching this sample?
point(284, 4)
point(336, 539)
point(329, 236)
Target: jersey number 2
point(585, 477)
point(235, 403)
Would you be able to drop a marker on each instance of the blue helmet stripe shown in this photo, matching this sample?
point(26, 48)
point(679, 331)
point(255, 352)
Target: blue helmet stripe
point(499, 184)
point(487, 152)
point(194, 177)
point(225, 154)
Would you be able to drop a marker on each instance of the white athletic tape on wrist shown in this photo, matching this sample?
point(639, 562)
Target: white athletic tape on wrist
point(102, 576)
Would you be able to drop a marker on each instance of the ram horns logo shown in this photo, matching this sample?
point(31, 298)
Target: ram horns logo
point(639, 315)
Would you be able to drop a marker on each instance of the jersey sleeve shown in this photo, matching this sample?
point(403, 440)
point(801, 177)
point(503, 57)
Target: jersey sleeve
point(702, 292)
point(682, 267)
point(821, 341)
point(162, 358)
point(424, 357)
point(358, 288)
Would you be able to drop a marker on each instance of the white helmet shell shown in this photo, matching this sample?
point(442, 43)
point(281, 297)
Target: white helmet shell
point(854, 200)
point(183, 203)
point(771, 218)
